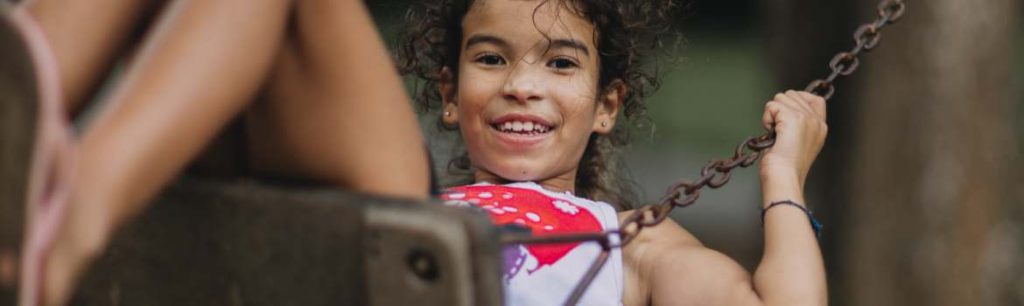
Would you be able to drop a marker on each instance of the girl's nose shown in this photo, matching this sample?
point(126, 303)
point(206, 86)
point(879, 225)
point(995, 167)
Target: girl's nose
point(522, 85)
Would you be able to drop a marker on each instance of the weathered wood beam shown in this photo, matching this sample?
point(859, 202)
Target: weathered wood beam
point(248, 243)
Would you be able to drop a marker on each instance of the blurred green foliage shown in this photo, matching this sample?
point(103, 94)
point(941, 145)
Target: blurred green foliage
point(712, 99)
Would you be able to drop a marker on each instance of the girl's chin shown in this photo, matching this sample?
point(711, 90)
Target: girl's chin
point(514, 174)
point(520, 178)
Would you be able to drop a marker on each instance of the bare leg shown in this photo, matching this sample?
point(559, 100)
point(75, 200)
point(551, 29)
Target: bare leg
point(336, 108)
point(198, 67)
point(86, 37)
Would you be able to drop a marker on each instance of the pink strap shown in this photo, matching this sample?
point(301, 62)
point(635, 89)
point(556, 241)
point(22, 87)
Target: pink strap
point(52, 170)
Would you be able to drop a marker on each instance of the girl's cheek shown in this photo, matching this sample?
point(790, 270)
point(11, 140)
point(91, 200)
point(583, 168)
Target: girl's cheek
point(477, 88)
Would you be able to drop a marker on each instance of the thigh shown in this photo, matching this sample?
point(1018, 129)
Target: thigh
point(335, 108)
point(201, 65)
point(86, 37)
point(198, 67)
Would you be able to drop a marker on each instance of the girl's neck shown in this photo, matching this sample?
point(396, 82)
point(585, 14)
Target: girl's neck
point(561, 183)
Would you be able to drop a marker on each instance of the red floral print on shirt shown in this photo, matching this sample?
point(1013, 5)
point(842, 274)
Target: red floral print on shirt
point(542, 214)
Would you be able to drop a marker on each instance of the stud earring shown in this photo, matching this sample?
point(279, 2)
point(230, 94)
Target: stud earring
point(604, 123)
point(447, 114)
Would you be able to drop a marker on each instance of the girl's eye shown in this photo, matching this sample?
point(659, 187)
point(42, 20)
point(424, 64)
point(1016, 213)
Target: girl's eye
point(490, 60)
point(562, 63)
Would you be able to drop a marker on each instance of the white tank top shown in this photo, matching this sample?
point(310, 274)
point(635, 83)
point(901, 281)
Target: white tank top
point(536, 275)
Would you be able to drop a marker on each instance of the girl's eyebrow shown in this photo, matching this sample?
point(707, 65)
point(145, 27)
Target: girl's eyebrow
point(486, 38)
point(571, 44)
point(501, 43)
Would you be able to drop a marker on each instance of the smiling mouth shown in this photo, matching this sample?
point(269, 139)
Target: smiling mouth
point(522, 128)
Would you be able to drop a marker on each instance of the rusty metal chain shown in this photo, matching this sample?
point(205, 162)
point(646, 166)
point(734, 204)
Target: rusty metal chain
point(867, 37)
point(717, 172)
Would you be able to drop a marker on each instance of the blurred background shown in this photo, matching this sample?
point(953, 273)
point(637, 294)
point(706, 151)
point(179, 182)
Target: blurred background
point(920, 183)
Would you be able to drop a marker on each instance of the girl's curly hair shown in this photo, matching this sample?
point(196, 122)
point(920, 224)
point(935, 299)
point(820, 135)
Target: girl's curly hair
point(629, 35)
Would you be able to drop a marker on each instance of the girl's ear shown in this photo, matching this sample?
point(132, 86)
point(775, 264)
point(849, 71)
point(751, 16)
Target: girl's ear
point(608, 106)
point(450, 107)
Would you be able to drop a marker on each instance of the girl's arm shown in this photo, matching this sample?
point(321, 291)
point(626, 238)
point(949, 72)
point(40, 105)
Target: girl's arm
point(675, 269)
point(792, 271)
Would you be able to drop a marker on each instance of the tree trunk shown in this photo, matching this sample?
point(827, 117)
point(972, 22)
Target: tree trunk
point(932, 220)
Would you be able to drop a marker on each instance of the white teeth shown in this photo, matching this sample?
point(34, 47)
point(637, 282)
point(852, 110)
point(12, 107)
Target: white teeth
point(520, 126)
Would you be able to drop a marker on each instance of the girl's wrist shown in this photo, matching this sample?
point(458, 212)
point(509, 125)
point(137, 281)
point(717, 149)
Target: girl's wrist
point(781, 185)
point(781, 174)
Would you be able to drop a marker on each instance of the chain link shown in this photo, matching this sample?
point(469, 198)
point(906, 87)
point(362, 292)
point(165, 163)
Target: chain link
point(866, 38)
point(717, 173)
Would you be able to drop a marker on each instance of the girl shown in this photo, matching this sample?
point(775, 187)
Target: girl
point(329, 109)
point(535, 89)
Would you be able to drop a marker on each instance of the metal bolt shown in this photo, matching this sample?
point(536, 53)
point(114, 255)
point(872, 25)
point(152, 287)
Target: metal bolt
point(423, 264)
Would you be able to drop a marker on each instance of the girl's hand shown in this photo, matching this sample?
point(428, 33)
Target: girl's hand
point(798, 119)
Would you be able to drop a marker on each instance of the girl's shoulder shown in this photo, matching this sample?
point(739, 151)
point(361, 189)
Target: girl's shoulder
point(667, 236)
point(666, 255)
point(666, 230)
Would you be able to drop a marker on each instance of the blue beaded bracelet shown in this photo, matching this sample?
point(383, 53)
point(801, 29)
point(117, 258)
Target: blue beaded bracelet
point(814, 222)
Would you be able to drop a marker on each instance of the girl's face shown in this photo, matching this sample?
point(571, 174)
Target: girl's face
point(527, 98)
